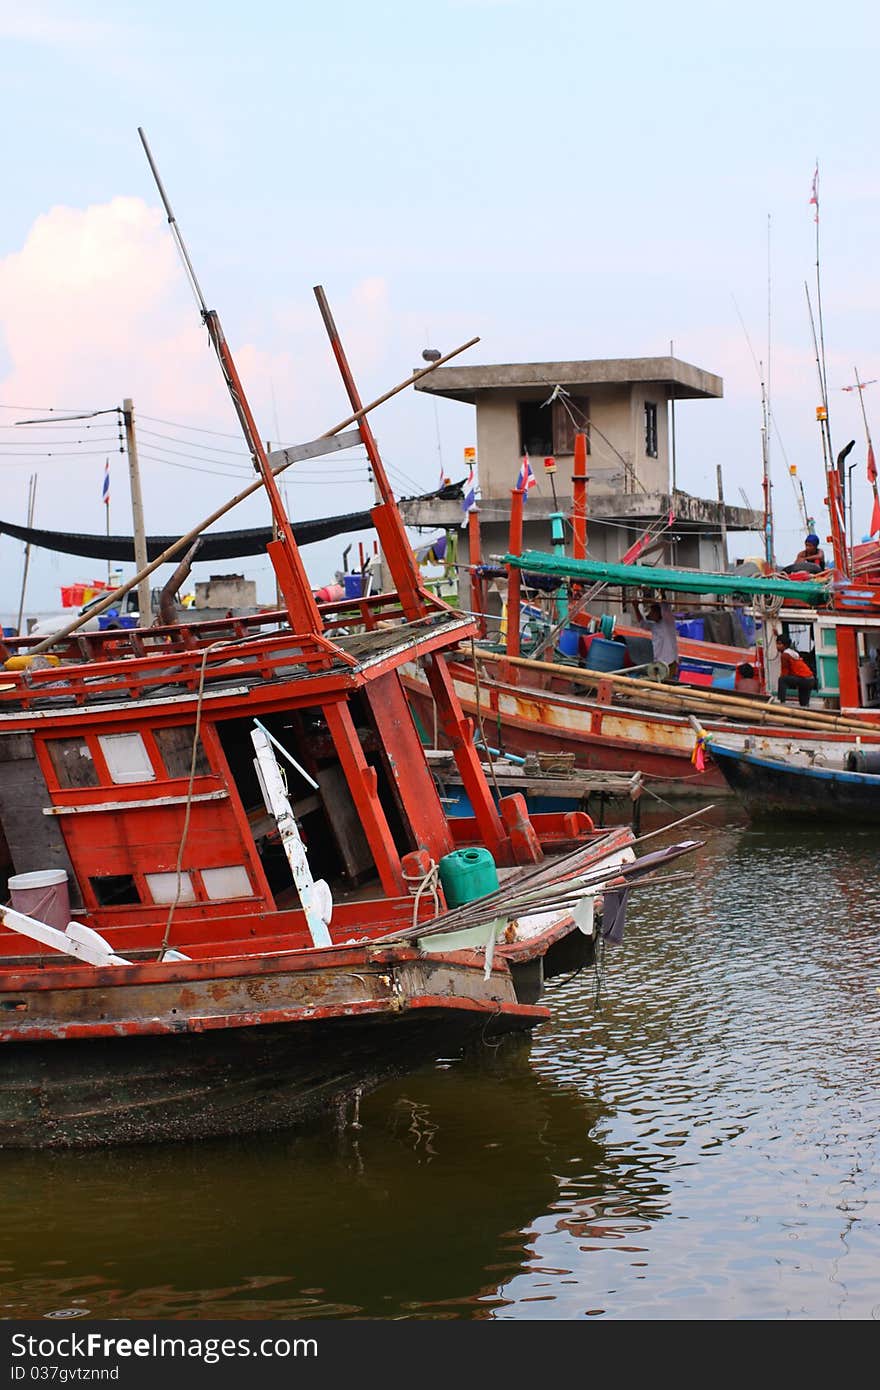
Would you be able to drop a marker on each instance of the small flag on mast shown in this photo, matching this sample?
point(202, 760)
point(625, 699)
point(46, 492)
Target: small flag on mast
point(814, 193)
point(872, 466)
point(469, 496)
point(105, 486)
point(526, 479)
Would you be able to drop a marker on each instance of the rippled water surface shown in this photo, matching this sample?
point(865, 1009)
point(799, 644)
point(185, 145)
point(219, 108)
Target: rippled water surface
point(699, 1142)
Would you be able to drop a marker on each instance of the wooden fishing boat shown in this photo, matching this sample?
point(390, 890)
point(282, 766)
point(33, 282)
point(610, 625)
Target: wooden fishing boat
point(620, 722)
point(204, 939)
point(800, 784)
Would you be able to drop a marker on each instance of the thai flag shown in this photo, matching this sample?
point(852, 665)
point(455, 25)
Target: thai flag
point(105, 486)
point(526, 478)
point(469, 496)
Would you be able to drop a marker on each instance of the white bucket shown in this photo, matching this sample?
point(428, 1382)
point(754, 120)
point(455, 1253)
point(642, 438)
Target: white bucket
point(43, 895)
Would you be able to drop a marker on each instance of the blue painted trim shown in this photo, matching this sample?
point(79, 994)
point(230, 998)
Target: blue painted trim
point(819, 774)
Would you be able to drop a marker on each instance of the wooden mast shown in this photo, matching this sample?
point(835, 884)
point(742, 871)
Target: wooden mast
point(406, 580)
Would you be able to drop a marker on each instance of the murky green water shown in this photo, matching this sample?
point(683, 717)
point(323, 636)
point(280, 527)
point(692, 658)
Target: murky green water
point(702, 1143)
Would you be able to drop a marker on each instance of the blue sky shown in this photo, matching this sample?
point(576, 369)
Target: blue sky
point(564, 181)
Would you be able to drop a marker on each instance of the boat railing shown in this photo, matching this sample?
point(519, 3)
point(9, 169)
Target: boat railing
point(120, 643)
point(261, 657)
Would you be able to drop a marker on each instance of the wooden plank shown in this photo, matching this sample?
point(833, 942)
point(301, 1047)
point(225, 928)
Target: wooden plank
point(35, 841)
point(345, 823)
point(149, 804)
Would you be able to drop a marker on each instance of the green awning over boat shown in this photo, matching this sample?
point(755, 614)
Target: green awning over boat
point(808, 592)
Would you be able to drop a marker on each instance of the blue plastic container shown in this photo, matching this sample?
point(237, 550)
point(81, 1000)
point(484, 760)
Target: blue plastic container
point(112, 619)
point(747, 624)
point(605, 656)
point(694, 628)
point(353, 585)
point(568, 640)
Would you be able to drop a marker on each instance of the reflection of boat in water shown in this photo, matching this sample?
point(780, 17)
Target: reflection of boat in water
point(422, 1208)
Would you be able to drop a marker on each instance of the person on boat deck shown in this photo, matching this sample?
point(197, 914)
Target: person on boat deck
point(810, 560)
point(659, 621)
point(794, 673)
point(746, 679)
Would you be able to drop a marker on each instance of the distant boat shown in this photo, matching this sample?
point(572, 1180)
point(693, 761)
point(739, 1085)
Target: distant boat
point(800, 785)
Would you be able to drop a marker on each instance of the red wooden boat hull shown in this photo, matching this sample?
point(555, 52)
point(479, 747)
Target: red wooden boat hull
point(523, 718)
point(134, 1054)
point(607, 738)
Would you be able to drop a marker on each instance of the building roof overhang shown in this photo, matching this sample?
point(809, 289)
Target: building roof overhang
point(676, 379)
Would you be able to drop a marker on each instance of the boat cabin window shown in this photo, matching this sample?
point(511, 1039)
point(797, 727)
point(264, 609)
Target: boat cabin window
point(127, 758)
point(164, 888)
point(111, 890)
point(232, 881)
point(72, 762)
point(176, 747)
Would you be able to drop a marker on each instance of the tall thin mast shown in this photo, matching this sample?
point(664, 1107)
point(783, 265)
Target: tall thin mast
point(284, 553)
point(145, 612)
point(769, 540)
point(32, 499)
point(871, 463)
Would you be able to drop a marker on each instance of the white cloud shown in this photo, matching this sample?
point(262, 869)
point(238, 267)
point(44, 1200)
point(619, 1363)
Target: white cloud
point(94, 307)
point(36, 25)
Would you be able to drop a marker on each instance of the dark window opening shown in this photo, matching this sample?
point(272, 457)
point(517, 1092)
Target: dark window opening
point(113, 890)
point(328, 821)
point(650, 429)
point(535, 429)
point(175, 748)
point(72, 761)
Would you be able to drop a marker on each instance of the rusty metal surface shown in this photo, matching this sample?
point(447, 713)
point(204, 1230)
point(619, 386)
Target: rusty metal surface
point(121, 1002)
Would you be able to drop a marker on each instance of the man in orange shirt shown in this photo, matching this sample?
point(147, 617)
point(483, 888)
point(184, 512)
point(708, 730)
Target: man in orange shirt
point(793, 672)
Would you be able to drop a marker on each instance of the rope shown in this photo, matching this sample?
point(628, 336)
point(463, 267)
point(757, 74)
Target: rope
point(429, 881)
point(189, 795)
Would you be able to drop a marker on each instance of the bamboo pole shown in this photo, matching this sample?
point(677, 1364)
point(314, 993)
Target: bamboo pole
point(253, 487)
point(732, 706)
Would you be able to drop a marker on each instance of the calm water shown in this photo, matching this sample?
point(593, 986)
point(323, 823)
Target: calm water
point(699, 1143)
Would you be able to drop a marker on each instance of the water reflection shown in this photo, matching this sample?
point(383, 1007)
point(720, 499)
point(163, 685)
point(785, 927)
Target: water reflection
point(699, 1142)
point(420, 1203)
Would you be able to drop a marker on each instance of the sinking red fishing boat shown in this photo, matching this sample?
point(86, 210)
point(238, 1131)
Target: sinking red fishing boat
point(235, 894)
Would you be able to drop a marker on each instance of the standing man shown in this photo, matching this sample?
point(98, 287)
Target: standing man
point(660, 622)
point(794, 673)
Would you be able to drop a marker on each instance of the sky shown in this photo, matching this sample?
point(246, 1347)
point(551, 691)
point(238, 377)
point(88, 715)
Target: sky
point(564, 181)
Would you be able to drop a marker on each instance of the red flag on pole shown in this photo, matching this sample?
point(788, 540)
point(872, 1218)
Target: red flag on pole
point(814, 194)
point(872, 466)
point(875, 516)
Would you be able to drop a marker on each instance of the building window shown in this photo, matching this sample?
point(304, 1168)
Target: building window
point(550, 429)
point(651, 429)
point(535, 429)
point(571, 416)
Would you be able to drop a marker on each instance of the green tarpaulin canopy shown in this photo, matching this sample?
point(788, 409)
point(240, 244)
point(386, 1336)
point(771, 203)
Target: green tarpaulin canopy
point(809, 592)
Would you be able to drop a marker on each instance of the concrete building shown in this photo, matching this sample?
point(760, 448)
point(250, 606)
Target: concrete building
point(625, 407)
